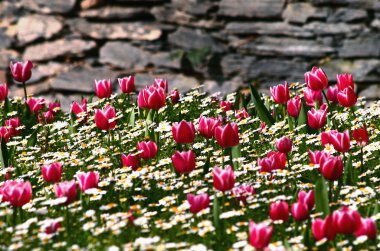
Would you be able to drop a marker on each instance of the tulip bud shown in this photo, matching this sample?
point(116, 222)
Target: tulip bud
point(367, 228)
point(307, 198)
point(284, 145)
point(331, 167)
point(17, 193)
point(312, 97)
point(207, 126)
point(162, 83)
point(340, 141)
point(184, 162)
point(316, 156)
point(4, 133)
point(198, 202)
point(332, 94)
point(346, 221)
point(279, 210)
point(80, 110)
point(323, 229)
point(51, 227)
point(259, 234)
point(105, 119)
point(294, 106)
point(151, 97)
point(52, 173)
point(149, 149)
point(273, 161)
point(224, 180)
point(103, 88)
point(361, 136)
point(225, 105)
point(227, 135)
point(174, 96)
point(66, 189)
point(280, 93)
point(3, 91)
point(13, 125)
point(183, 132)
point(131, 160)
point(127, 84)
point(88, 180)
point(347, 97)
point(241, 114)
point(54, 107)
point(35, 105)
point(243, 192)
point(345, 81)
point(300, 211)
point(47, 117)
point(317, 118)
point(316, 79)
point(21, 72)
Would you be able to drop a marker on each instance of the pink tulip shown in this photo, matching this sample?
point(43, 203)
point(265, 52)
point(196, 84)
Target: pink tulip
point(340, 141)
point(149, 149)
point(4, 133)
point(346, 221)
point(207, 126)
point(312, 97)
point(367, 228)
point(184, 162)
point(16, 192)
point(54, 107)
point(323, 228)
point(345, 81)
point(317, 118)
point(3, 91)
point(259, 234)
point(13, 125)
point(52, 173)
point(66, 189)
point(174, 96)
point(224, 180)
point(347, 97)
point(21, 72)
point(316, 156)
point(243, 192)
point(307, 198)
point(294, 106)
point(35, 105)
point(52, 227)
point(331, 167)
point(284, 145)
point(332, 94)
point(162, 83)
point(279, 210)
point(103, 88)
point(183, 132)
point(280, 93)
point(152, 97)
point(198, 202)
point(300, 211)
point(131, 160)
point(88, 180)
point(105, 119)
point(227, 135)
point(46, 118)
point(241, 114)
point(127, 84)
point(361, 136)
point(316, 79)
point(273, 161)
point(225, 105)
point(80, 110)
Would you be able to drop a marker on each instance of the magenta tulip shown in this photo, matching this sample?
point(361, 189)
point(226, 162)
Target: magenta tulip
point(131, 160)
point(174, 96)
point(273, 161)
point(316, 156)
point(347, 97)
point(312, 97)
point(21, 72)
point(332, 94)
point(184, 162)
point(35, 105)
point(243, 192)
point(316, 79)
point(241, 114)
point(3, 91)
point(259, 234)
point(227, 135)
point(162, 83)
point(317, 118)
point(367, 228)
point(280, 93)
point(361, 136)
point(331, 167)
point(4, 133)
point(66, 189)
point(300, 211)
point(279, 210)
point(224, 179)
point(340, 140)
point(346, 221)
point(13, 125)
point(17, 193)
point(105, 119)
point(80, 110)
point(183, 132)
point(284, 145)
point(127, 84)
point(152, 97)
point(88, 180)
point(198, 202)
point(307, 198)
point(207, 126)
point(323, 228)
point(46, 118)
point(52, 172)
point(345, 81)
point(103, 88)
point(225, 105)
point(294, 106)
point(149, 149)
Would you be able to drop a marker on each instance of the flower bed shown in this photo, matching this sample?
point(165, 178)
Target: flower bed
point(159, 170)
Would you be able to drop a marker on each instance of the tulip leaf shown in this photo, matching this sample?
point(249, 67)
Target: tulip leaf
point(302, 118)
point(3, 157)
point(216, 214)
point(132, 117)
point(235, 153)
point(32, 139)
point(262, 111)
point(350, 176)
point(321, 197)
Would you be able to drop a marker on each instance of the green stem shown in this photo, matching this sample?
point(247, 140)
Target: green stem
point(331, 190)
point(25, 93)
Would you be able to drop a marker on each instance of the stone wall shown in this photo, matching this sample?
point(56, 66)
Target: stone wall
point(221, 43)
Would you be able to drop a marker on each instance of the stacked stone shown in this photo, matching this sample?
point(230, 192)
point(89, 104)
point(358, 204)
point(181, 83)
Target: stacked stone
point(222, 44)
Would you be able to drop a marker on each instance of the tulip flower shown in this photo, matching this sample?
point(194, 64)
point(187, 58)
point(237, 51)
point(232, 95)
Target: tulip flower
point(284, 145)
point(225, 105)
point(332, 94)
point(273, 161)
point(105, 119)
point(17, 193)
point(47, 117)
point(88, 180)
point(241, 114)
point(347, 97)
point(367, 228)
point(207, 126)
point(259, 234)
point(80, 110)
point(149, 149)
point(345, 81)
point(151, 97)
point(198, 202)
point(346, 221)
point(224, 180)
point(280, 93)
point(4, 133)
point(54, 107)
point(340, 141)
point(52, 173)
point(227, 135)
point(131, 160)
point(162, 83)
point(316, 79)
point(279, 210)
point(174, 96)
point(66, 189)
point(300, 211)
point(103, 88)
point(13, 125)
point(323, 228)
point(317, 118)
point(184, 162)
point(127, 84)
point(331, 167)
point(312, 97)
point(243, 192)
point(3, 91)
point(21, 72)
point(294, 106)
point(361, 136)
point(35, 105)
point(183, 132)
point(51, 227)
point(316, 156)
point(307, 198)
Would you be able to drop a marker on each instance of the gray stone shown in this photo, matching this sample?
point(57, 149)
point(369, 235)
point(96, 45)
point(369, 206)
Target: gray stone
point(249, 8)
point(81, 79)
point(36, 89)
point(348, 15)
point(212, 87)
point(58, 48)
point(43, 71)
point(130, 30)
point(124, 56)
point(30, 28)
point(320, 28)
point(114, 12)
point(236, 64)
point(376, 24)
point(366, 4)
point(372, 92)
point(363, 46)
point(271, 46)
point(5, 41)
point(167, 60)
point(267, 28)
point(6, 56)
point(48, 7)
point(196, 7)
point(302, 12)
point(194, 39)
point(181, 82)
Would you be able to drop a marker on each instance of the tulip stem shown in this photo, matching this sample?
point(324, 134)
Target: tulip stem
point(362, 160)
point(327, 100)
point(331, 190)
point(25, 93)
point(14, 216)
